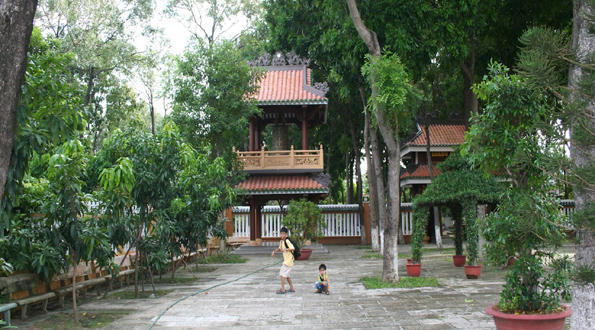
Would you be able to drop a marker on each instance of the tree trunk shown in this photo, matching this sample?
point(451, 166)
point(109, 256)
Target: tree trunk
point(358, 174)
point(372, 182)
point(152, 113)
point(74, 264)
point(437, 221)
point(16, 25)
point(468, 68)
point(391, 228)
point(583, 294)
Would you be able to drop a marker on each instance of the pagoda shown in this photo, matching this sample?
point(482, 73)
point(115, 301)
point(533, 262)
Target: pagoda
point(281, 172)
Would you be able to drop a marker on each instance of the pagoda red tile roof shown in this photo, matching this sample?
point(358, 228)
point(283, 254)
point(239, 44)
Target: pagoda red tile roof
point(281, 184)
point(286, 85)
point(440, 135)
point(421, 171)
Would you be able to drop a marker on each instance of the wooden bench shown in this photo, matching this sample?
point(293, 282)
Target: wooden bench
point(24, 303)
point(62, 292)
point(5, 309)
point(24, 282)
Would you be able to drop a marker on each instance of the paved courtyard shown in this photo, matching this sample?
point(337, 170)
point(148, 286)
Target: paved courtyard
point(242, 296)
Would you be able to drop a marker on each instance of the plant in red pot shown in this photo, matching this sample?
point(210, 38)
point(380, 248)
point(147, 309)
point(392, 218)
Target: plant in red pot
point(458, 259)
point(304, 221)
point(539, 279)
point(527, 220)
point(472, 269)
point(420, 222)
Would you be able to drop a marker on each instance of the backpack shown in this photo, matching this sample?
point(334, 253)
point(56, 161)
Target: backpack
point(296, 252)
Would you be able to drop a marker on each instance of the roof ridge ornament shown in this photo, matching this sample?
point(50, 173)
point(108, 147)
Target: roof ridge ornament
point(279, 59)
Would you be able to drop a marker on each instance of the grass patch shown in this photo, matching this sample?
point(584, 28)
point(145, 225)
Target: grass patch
point(223, 259)
point(167, 279)
point(87, 320)
point(404, 282)
point(363, 247)
point(372, 256)
point(378, 256)
point(126, 294)
point(203, 269)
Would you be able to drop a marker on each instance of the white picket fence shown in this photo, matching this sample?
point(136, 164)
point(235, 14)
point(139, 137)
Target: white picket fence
point(341, 220)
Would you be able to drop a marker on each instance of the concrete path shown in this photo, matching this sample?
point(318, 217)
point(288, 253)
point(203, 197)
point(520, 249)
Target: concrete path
point(242, 296)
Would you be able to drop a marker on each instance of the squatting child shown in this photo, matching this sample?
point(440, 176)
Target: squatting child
point(322, 285)
point(285, 272)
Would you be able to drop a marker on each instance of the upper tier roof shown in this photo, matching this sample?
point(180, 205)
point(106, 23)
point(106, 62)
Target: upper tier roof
point(287, 81)
point(289, 85)
point(440, 135)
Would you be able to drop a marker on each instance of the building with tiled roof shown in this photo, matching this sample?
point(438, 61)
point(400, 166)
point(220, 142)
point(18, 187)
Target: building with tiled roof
point(444, 138)
point(280, 171)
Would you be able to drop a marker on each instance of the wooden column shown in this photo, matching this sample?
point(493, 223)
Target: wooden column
point(259, 224)
point(252, 222)
point(304, 130)
point(252, 135)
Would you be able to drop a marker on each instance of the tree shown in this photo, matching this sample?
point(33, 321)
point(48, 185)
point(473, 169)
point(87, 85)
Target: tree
point(50, 112)
point(208, 19)
point(15, 34)
point(99, 33)
point(212, 97)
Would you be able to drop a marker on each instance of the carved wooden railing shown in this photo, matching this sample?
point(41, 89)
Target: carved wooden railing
point(281, 159)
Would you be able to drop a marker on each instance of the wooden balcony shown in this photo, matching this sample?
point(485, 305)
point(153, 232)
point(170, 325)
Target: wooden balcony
point(282, 161)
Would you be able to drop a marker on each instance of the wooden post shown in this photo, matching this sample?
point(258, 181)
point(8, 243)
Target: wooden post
point(304, 130)
point(252, 135)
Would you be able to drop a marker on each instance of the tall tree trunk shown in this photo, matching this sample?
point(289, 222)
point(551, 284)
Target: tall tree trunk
point(583, 294)
point(74, 264)
point(372, 184)
point(437, 221)
point(358, 173)
point(16, 25)
point(380, 187)
point(468, 68)
point(391, 228)
point(152, 113)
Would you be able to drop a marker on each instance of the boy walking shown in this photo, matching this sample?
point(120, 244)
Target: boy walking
point(285, 272)
point(322, 285)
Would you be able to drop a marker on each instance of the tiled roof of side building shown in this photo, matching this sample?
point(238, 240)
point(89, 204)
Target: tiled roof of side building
point(420, 171)
point(286, 85)
point(281, 184)
point(441, 134)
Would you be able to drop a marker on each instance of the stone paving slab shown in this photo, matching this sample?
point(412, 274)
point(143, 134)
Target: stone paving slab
point(242, 296)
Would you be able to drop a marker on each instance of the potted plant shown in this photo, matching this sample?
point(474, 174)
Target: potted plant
point(472, 269)
point(528, 222)
point(420, 221)
point(304, 221)
point(458, 259)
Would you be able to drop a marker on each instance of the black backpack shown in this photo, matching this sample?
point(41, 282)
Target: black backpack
point(296, 249)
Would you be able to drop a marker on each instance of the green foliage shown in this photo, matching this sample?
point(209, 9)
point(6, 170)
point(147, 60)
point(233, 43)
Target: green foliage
point(5, 267)
point(504, 137)
point(395, 93)
point(470, 216)
point(420, 223)
point(214, 97)
point(304, 221)
point(50, 112)
point(456, 187)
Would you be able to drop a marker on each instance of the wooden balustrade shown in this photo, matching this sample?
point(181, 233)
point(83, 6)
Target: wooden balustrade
point(297, 160)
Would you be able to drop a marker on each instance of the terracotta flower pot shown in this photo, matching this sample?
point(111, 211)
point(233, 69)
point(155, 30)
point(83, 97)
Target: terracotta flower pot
point(459, 261)
point(511, 260)
point(473, 272)
point(305, 254)
point(413, 270)
point(506, 321)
